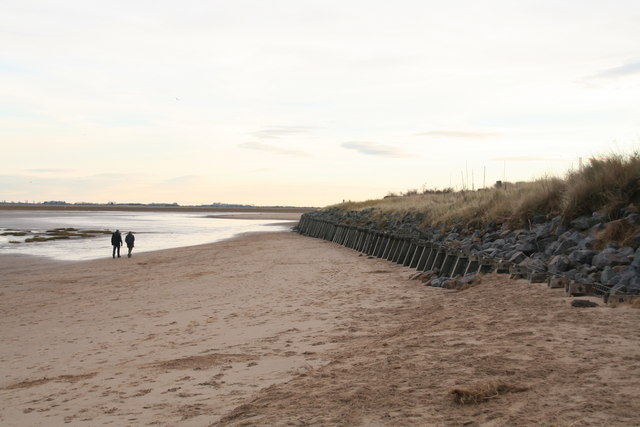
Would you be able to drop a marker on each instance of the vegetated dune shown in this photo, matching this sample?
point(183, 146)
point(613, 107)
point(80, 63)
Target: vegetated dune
point(605, 185)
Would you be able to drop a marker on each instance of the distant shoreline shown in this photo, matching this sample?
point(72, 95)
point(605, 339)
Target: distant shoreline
point(146, 208)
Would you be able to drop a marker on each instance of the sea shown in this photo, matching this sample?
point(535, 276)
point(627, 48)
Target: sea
point(152, 230)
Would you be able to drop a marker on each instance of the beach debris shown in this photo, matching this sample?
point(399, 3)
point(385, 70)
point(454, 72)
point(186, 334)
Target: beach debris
point(422, 276)
point(583, 303)
point(482, 392)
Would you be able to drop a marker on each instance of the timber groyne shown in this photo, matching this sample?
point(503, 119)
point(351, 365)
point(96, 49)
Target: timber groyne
point(549, 251)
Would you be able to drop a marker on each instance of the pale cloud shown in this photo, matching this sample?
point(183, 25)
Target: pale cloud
point(260, 146)
point(630, 69)
point(282, 131)
point(461, 134)
point(373, 149)
point(184, 180)
point(69, 188)
point(49, 171)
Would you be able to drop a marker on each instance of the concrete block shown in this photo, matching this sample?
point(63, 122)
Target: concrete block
point(537, 277)
point(576, 289)
point(502, 267)
point(557, 282)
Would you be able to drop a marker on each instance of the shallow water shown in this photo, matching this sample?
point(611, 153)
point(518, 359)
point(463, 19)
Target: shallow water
point(153, 231)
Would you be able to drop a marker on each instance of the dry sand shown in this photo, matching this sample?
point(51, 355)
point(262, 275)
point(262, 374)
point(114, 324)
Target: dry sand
point(281, 329)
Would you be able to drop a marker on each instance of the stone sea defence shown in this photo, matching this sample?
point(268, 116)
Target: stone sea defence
point(564, 253)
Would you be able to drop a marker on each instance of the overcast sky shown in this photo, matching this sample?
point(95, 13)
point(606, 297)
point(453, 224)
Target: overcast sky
point(304, 102)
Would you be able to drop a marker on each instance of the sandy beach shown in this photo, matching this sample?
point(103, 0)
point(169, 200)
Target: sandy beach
point(281, 329)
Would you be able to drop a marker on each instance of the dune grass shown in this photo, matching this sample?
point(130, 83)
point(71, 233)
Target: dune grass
point(604, 185)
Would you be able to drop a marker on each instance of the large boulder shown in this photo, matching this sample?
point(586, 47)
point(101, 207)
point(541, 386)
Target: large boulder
point(586, 222)
point(533, 264)
point(626, 281)
point(559, 264)
point(588, 242)
point(636, 260)
point(517, 257)
point(610, 257)
point(563, 247)
point(582, 256)
point(527, 247)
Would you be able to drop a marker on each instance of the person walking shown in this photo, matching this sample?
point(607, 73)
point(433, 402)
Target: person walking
point(129, 239)
point(116, 242)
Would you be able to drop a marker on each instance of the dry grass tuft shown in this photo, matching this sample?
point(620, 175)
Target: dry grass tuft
point(618, 231)
point(604, 185)
point(482, 392)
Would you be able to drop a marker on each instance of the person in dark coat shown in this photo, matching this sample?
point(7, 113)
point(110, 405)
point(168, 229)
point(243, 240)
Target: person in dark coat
point(116, 242)
point(129, 239)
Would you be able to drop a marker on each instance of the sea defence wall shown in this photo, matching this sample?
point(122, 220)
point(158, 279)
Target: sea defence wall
point(449, 262)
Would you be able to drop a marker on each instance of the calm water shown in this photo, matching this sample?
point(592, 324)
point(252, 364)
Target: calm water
point(153, 231)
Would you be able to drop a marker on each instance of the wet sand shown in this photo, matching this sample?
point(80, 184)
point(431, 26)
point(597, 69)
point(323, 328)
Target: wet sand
point(280, 329)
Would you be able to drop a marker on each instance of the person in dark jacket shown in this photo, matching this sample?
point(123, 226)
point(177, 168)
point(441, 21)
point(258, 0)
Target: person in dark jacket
point(129, 239)
point(116, 242)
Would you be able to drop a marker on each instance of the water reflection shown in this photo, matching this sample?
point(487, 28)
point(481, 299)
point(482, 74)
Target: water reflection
point(153, 231)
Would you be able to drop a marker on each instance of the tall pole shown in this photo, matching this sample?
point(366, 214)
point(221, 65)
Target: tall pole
point(484, 177)
point(504, 171)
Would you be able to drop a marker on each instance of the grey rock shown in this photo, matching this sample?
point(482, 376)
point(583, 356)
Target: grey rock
point(545, 243)
point(633, 218)
point(587, 243)
point(571, 274)
point(499, 242)
point(584, 277)
point(582, 256)
point(636, 260)
point(452, 236)
point(586, 222)
point(607, 275)
point(534, 264)
point(539, 219)
point(626, 251)
point(626, 281)
point(634, 241)
point(490, 236)
point(559, 264)
point(517, 258)
point(490, 252)
point(544, 230)
point(527, 247)
point(573, 237)
point(439, 282)
point(564, 247)
point(610, 257)
point(560, 229)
